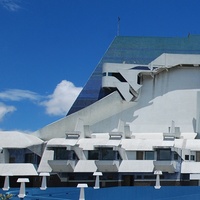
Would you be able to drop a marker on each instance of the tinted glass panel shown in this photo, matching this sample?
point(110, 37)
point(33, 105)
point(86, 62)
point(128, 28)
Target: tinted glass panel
point(164, 154)
point(149, 155)
point(141, 50)
point(93, 155)
point(139, 155)
point(63, 154)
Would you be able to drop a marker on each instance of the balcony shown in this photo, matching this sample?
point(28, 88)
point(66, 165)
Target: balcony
point(107, 165)
point(166, 166)
point(62, 165)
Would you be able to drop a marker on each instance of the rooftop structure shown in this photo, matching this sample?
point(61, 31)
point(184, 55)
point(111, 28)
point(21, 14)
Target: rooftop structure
point(136, 121)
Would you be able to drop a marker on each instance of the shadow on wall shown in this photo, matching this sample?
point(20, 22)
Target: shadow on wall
point(154, 89)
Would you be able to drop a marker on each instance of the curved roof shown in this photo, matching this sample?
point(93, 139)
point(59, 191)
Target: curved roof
point(16, 139)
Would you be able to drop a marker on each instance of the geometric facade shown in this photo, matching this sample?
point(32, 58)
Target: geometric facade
point(132, 50)
point(137, 118)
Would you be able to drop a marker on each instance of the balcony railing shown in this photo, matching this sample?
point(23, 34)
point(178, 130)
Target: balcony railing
point(107, 165)
point(169, 166)
point(62, 165)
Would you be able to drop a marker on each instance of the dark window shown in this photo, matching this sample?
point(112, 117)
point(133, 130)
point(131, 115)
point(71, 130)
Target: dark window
point(149, 155)
point(139, 79)
point(29, 157)
point(164, 154)
point(117, 76)
point(103, 154)
point(186, 157)
point(17, 155)
point(63, 154)
point(93, 155)
point(185, 176)
point(139, 155)
point(198, 156)
point(139, 177)
point(12, 160)
point(192, 157)
point(104, 74)
point(149, 177)
point(32, 158)
point(107, 154)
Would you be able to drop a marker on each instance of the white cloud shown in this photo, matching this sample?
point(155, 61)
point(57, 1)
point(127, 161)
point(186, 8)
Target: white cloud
point(15, 95)
point(4, 109)
point(57, 104)
point(62, 98)
point(18, 95)
point(11, 5)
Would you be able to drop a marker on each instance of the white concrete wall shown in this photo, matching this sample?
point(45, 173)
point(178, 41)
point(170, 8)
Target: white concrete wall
point(170, 95)
point(4, 156)
point(104, 108)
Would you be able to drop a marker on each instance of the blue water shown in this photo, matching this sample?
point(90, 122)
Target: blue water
point(112, 193)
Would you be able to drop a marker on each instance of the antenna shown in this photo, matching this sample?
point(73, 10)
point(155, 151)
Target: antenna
point(118, 26)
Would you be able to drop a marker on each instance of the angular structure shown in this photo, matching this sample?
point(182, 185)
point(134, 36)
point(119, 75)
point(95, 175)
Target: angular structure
point(138, 114)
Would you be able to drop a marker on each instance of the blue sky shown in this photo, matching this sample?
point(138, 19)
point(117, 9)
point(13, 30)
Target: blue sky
point(49, 48)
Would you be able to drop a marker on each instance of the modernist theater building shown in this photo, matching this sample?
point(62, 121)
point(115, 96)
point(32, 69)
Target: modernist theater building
point(137, 117)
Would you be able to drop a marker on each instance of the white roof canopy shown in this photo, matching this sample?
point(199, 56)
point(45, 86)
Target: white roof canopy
point(16, 139)
point(17, 169)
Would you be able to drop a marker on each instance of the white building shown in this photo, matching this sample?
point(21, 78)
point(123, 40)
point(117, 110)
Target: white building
point(138, 115)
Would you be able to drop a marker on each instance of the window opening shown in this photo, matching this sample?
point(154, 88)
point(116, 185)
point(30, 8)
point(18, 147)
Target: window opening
point(192, 157)
point(164, 154)
point(139, 155)
point(186, 157)
point(103, 154)
point(64, 154)
point(149, 155)
point(117, 76)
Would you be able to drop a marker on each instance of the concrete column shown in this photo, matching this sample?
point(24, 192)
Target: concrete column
point(44, 181)
point(6, 185)
point(82, 192)
point(22, 191)
point(157, 173)
point(97, 184)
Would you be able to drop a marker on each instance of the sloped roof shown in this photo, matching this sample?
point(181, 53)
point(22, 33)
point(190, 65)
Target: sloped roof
point(17, 169)
point(16, 139)
point(133, 50)
point(61, 142)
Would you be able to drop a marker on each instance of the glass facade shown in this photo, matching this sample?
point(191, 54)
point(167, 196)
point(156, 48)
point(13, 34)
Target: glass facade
point(164, 154)
point(132, 50)
point(149, 155)
point(62, 153)
point(23, 156)
point(103, 154)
